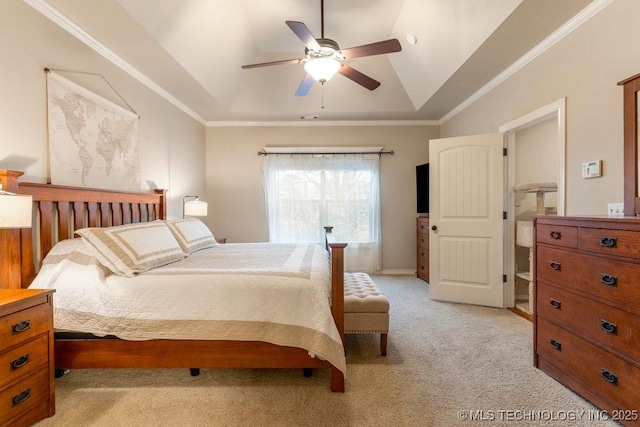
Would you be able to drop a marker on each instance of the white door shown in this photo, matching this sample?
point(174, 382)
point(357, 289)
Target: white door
point(465, 216)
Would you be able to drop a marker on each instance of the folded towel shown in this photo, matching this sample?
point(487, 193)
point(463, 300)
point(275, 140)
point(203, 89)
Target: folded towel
point(535, 187)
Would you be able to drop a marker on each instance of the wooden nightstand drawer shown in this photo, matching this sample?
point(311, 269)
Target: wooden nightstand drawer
point(22, 361)
point(19, 398)
point(27, 387)
point(602, 372)
point(21, 326)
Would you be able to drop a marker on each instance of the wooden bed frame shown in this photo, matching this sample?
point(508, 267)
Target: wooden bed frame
point(60, 210)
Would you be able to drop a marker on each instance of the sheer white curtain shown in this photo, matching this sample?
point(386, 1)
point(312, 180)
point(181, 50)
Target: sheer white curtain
point(306, 192)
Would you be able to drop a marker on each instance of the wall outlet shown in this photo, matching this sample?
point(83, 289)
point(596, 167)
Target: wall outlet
point(615, 209)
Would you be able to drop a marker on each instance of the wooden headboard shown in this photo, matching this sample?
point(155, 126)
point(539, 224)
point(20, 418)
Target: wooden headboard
point(58, 212)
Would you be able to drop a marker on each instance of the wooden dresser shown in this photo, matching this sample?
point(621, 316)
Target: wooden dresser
point(27, 388)
point(587, 309)
point(423, 248)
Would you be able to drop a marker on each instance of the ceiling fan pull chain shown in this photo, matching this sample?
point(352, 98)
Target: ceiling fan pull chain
point(322, 106)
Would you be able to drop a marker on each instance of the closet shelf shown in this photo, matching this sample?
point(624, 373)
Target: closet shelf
point(525, 275)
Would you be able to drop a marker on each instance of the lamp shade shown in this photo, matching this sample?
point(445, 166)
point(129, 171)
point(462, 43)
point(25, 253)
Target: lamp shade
point(322, 69)
point(195, 208)
point(15, 210)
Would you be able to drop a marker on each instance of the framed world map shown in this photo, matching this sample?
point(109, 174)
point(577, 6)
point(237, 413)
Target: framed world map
point(93, 142)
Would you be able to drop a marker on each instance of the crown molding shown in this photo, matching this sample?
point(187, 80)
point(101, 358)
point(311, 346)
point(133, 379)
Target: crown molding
point(63, 22)
point(587, 13)
point(333, 123)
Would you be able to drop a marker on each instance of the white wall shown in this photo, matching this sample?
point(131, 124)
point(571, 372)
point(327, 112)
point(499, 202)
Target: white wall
point(172, 145)
point(234, 179)
point(584, 67)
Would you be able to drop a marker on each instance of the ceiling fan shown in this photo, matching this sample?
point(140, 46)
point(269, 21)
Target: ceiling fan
point(323, 57)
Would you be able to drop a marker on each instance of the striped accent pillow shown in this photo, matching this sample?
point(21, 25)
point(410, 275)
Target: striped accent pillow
point(131, 249)
point(191, 234)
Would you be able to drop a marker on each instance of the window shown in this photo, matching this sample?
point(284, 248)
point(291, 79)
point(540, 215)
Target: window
point(306, 192)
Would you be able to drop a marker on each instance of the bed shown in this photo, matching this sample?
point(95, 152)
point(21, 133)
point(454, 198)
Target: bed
point(60, 211)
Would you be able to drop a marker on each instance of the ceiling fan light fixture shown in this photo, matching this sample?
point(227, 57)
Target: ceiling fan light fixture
point(322, 69)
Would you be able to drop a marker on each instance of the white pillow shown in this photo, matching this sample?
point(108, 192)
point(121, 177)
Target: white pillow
point(191, 234)
point(133, 248)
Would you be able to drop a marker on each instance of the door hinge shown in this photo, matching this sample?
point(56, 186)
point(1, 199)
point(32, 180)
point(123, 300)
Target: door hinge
point(504, 151)
point(504, 214)
point(504, 278)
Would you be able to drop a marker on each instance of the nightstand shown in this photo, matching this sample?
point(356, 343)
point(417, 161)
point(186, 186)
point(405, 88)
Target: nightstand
point(221, 240)
point(27, 388)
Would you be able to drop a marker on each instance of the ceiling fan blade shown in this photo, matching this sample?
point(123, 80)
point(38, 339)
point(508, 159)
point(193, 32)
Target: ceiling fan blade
point(305, 86)
point(267, 64)
point(378, 48)
point(304, 34)
point(358, 77)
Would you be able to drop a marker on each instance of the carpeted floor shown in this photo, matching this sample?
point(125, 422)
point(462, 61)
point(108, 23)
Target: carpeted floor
point(446, 363)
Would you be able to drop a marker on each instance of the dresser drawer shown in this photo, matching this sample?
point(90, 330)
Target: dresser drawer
point(423, 226)
point(21, 326)
point(615, 281)
point(23, 360)
point(608, 375)
point(423, 256)
point(616, 329)
point(423, 241)
point(558, 235)
point(21, 397)
point(612, 242)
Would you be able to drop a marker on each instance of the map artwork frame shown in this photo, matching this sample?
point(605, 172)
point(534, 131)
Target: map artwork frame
point(93, 142)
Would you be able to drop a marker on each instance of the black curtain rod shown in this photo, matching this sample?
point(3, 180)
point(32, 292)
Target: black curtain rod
point(264, 153)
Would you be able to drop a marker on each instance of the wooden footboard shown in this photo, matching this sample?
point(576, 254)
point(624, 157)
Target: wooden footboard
point(60, 210)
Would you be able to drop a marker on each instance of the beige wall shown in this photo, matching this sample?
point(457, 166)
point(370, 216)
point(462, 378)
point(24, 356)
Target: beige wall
point(172, 145)
point(535, 159)
point(584, 67)
point(234, 179)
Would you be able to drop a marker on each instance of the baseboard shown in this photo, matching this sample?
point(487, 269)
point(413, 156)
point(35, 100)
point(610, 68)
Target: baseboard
point(398, 272)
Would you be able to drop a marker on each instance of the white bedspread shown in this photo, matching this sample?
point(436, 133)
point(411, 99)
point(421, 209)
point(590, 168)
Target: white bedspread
point(276, 293)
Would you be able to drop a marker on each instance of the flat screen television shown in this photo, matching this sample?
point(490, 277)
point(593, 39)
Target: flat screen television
point(422, 189)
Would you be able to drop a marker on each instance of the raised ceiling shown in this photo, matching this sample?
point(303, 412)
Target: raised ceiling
point(193, 50)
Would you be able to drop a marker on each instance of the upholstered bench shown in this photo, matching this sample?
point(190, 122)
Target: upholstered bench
point(366, 309)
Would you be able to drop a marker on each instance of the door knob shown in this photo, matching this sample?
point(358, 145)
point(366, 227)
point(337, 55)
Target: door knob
point(434, 228)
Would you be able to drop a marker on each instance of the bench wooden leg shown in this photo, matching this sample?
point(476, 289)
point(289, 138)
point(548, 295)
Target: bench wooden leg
point(383, 344)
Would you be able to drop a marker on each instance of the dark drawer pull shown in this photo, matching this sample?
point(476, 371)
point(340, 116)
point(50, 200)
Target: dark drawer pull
point(555, 344)
point(554, 265)
point(421, 253)
point(609, 376)
point(555, 303)
point(608, 242)
point(609, 280)
point(609, 327)
point(21, 327)
point(21, 397)
point(556, 235)
point(19, 362)
point(422, 267)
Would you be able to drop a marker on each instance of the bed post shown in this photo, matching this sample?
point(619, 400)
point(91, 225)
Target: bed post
point(336, 253)
point(162, 208)
point(10, 247)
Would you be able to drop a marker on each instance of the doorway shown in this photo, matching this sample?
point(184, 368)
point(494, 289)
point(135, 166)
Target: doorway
point(536, 154)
